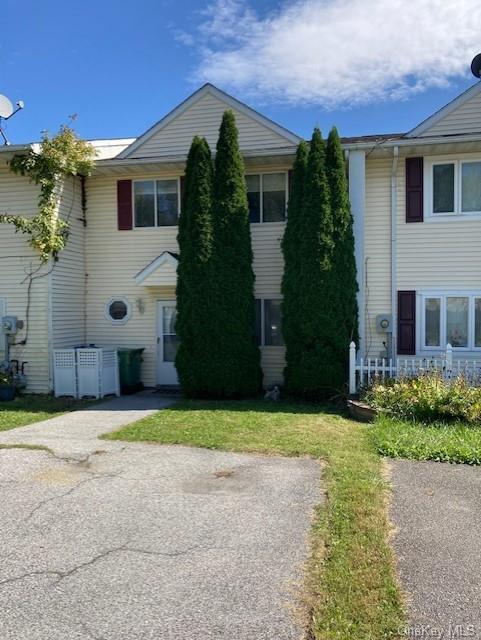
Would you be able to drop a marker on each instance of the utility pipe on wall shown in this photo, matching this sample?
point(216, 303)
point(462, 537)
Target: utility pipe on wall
point(394, 168)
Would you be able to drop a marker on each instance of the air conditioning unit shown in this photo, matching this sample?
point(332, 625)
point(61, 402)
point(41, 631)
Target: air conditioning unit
point(384, 323)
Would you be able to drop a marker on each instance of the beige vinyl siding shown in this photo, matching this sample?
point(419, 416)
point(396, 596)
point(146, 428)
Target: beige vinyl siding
point(377, 250)
point(115, 257)
point(438, 253)
point(18, 196)
point(465, 119)
point(203, 118)
point(68, 296)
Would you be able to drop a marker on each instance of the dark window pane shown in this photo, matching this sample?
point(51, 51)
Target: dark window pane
point(144, 203)
point(443, 188)
point(471, 186)
point(433, 322)
point(272, 318)
point(258, 322)
point(477, 322)
point(273, 197)
point(254, 197)
point(171, 344)
point(117, 310)
point(167, 203)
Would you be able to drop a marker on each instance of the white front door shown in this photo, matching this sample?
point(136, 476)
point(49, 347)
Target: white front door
point(167, 342)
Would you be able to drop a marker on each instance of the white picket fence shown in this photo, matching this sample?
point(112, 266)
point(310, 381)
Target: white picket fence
point(363, 371)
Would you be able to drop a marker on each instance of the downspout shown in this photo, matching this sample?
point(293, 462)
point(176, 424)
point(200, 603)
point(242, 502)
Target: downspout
point(395, 158)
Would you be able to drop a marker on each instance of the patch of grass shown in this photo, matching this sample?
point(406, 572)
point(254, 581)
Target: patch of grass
point(352, 585)
point(443, 442)
point(26, 409)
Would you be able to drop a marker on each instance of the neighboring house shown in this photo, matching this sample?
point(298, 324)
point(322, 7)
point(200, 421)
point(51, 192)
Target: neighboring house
point(416, 201)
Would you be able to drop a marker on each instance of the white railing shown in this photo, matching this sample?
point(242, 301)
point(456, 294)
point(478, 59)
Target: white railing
point(364, 371)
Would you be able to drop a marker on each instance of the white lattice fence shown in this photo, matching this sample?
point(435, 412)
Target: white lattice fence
point(364, 371)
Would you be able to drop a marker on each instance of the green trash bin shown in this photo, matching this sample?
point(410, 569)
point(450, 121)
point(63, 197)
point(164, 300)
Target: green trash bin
point(130, 364)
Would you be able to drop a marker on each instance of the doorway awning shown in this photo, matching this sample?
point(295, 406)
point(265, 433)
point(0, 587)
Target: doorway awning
point(161, 272)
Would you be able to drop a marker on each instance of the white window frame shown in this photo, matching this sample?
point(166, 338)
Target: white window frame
point(443, 295)
point(119, 299)
point(156, 218)
point(458, 161)
point(261, 174)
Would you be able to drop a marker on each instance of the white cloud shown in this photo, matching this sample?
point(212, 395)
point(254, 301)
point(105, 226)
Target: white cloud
point(337, 52)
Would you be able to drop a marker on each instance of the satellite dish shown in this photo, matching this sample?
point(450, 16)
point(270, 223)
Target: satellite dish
point(6, 107)
point(476, 66)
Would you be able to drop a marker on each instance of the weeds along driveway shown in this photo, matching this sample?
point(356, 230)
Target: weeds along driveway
point(436, 510)
point(138, 541)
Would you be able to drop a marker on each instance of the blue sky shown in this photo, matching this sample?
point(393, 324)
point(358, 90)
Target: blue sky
point(367, 66)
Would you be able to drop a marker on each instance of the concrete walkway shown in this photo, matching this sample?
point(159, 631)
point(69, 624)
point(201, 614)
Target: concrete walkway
point(436, 510)
point(111, 540)
point(74, 435)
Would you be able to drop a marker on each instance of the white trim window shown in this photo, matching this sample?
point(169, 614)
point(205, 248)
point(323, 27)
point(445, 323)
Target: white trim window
point(451, 317)
point(267, 196)
point(156, 202)
point(453, 187)
point(118, 310)
point(269, 323)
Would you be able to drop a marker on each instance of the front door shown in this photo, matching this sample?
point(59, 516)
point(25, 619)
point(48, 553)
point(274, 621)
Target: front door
point(167, 343)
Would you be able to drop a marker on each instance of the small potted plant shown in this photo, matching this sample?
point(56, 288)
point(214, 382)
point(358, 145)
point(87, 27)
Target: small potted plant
point(8, 389)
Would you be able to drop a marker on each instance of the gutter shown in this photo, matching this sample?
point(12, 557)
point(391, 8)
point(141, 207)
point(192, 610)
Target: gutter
point(411, 142)
point(394, 168)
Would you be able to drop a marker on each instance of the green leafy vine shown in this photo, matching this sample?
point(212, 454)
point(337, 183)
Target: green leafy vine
point(62, 155)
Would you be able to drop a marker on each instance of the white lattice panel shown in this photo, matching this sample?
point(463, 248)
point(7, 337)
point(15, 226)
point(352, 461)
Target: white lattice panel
point(88, 372)
point(64, 372)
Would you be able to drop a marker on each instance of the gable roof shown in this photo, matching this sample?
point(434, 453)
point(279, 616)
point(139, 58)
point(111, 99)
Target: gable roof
point(161, 271)
point(423, 128)
point(230, 102)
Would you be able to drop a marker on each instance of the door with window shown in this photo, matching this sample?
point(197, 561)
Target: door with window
point(167, 343)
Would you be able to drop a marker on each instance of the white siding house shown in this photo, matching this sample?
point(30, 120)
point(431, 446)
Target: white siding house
point(416, 201)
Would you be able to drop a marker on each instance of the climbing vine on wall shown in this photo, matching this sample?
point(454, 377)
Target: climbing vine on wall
point(62, 155)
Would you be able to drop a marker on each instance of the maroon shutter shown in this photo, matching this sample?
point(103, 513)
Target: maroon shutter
point(414, 190)
point(406, 324)
point(124, 205)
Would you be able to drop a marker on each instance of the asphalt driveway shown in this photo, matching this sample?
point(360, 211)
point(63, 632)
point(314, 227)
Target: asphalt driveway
point(138, 541)
point(436, 510)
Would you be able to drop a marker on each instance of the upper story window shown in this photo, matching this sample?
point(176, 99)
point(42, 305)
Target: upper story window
point(454, 187)
point(156, 203)
point(267, 196)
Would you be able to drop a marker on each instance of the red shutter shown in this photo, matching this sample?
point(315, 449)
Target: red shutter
point(406, 323)
point(414, 190)
point(124, 205)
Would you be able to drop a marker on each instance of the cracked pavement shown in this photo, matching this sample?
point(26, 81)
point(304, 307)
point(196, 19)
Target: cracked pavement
point(110, 541)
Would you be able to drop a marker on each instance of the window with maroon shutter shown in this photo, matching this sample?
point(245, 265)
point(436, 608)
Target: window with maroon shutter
point(406, 323)
point(414, 190)
point(124, 205)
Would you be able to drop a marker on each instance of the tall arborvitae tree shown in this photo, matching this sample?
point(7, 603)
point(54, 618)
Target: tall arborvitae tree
point(234, 369)
point(313, 376)
point(344, 263)
point(195, 238)
point(291, 289)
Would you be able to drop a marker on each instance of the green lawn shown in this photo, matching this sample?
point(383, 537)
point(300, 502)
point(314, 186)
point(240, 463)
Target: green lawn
point(456, 442)
point(352, 587)
point(34, 408)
